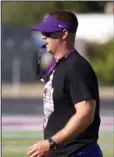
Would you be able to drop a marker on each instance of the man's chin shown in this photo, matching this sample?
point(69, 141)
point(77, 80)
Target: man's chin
point(49, 51)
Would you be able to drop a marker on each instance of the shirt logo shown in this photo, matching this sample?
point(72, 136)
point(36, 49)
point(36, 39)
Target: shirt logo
point(48, 100)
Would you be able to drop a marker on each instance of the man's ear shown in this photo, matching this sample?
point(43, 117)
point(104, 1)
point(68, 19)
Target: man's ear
point(65, 34)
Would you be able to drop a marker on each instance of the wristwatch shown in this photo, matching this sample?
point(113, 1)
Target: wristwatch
point(53, 144)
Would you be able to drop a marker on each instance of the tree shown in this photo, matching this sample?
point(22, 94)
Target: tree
point(26, 13)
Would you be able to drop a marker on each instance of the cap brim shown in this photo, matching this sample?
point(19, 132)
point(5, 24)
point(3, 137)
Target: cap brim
point(42, 27)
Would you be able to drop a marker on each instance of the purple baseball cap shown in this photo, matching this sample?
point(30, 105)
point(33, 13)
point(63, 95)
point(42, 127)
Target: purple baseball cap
point(51, 24)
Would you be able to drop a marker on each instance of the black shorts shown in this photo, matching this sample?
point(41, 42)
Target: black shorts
point(92, 150)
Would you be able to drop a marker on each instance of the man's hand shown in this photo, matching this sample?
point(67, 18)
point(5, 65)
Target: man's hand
point(40, 149)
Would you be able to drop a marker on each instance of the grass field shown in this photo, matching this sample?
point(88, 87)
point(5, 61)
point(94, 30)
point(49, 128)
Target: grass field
point(15, 144)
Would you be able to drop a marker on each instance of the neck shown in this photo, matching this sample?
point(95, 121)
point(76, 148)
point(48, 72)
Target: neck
point(62, 52)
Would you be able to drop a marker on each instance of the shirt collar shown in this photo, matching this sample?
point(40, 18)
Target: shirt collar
point(65, 56)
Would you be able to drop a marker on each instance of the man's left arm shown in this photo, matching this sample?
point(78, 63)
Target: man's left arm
point(82, 118)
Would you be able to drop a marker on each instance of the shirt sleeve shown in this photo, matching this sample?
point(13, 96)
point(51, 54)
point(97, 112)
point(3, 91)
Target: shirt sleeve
point(82, 85)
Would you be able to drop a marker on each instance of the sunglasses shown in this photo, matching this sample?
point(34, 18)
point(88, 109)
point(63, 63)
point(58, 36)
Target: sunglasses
point(47, 34)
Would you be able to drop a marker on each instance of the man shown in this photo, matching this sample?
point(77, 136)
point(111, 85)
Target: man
point(71, 97)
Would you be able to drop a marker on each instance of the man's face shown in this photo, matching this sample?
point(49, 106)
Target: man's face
point(53, 41)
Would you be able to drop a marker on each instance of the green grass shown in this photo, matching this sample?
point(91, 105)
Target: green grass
point(15, 144)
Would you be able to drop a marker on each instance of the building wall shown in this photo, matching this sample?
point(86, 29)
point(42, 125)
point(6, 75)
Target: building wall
point(17, 55)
